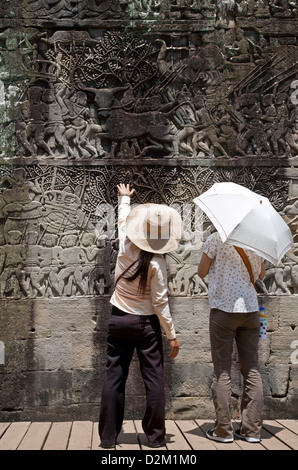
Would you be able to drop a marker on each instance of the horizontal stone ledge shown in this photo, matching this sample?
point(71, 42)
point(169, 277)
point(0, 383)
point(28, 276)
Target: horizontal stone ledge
point(276, 26)
point(154, 24)
point(234, 162)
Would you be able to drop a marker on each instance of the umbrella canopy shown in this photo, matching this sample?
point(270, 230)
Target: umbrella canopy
point(246, 219)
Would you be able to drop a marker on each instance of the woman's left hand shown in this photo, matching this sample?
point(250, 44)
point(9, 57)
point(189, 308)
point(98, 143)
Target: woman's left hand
point(174, 348)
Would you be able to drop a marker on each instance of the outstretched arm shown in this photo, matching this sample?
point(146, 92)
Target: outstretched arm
point(124, 209)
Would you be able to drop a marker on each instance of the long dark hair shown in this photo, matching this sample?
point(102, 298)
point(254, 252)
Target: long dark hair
point(143, 263)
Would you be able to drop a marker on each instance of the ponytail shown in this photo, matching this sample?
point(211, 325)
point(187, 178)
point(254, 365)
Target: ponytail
point(141, 270)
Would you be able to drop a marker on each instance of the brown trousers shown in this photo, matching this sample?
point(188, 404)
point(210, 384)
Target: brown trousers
point(244, 329)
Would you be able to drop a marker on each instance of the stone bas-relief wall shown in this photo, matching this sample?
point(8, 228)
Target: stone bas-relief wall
point(218, 85)
point(171, 97)
point(58, 226)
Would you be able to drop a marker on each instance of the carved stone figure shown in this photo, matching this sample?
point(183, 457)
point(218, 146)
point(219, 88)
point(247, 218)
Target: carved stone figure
point(13, 256)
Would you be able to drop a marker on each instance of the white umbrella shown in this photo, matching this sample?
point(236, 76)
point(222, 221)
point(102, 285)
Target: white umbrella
point(246, 219)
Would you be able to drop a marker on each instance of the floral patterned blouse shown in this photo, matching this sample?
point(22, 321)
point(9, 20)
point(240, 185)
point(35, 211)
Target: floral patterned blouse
point(230, 288)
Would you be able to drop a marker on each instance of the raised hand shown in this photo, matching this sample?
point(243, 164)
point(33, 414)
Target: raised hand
point(124, 190)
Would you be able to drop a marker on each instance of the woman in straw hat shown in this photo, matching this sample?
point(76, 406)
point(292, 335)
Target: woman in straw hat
point(140, 306)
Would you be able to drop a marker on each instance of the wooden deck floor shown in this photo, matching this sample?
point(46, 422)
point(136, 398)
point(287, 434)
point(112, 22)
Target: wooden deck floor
point(182, 435)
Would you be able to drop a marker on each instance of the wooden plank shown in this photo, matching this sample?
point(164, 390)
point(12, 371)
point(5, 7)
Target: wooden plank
point(244, 445)
point(35, 437)
point(3, 427)
point(175, 439)
point(291, 424)
point(143, 439)
point(270, 442)
point(285, 435)
point(194, 435)
point(127, 439)
point(181, 435)
point(13, 435)
point(205, 425)
point(81, 435)
point(58, 436)
point(95, 444)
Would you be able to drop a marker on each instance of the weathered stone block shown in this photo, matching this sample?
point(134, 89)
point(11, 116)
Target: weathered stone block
point(54, 353)
point(82, 349)
point(272, 305)
point(288, 315)
point(265, 379)
point(51, 389)
point(192, 380)
point(189, 408)
point(279, 378)
point(194, 348)
point(281, 342)
point(293, 381)
point(10, 324)
point(265, 349)
point(18, 356)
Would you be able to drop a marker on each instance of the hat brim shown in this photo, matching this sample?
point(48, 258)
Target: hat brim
point(135, 224)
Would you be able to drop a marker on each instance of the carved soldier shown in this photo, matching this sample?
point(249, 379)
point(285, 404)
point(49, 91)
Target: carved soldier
point(13, 257)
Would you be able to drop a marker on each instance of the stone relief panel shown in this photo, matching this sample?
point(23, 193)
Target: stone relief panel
point(58, 234)
point(219, 10)
point(74, 96)
point(223, 11)
point(64, 10)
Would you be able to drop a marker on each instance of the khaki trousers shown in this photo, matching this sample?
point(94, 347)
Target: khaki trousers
point(244, 328)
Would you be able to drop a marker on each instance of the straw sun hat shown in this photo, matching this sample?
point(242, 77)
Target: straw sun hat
point(154, 227)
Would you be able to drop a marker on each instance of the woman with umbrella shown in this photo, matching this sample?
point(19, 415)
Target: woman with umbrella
point(248, 230)
point(234, 315)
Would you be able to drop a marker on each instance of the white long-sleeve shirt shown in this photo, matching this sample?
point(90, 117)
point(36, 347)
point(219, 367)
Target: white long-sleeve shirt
point(127, 296)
